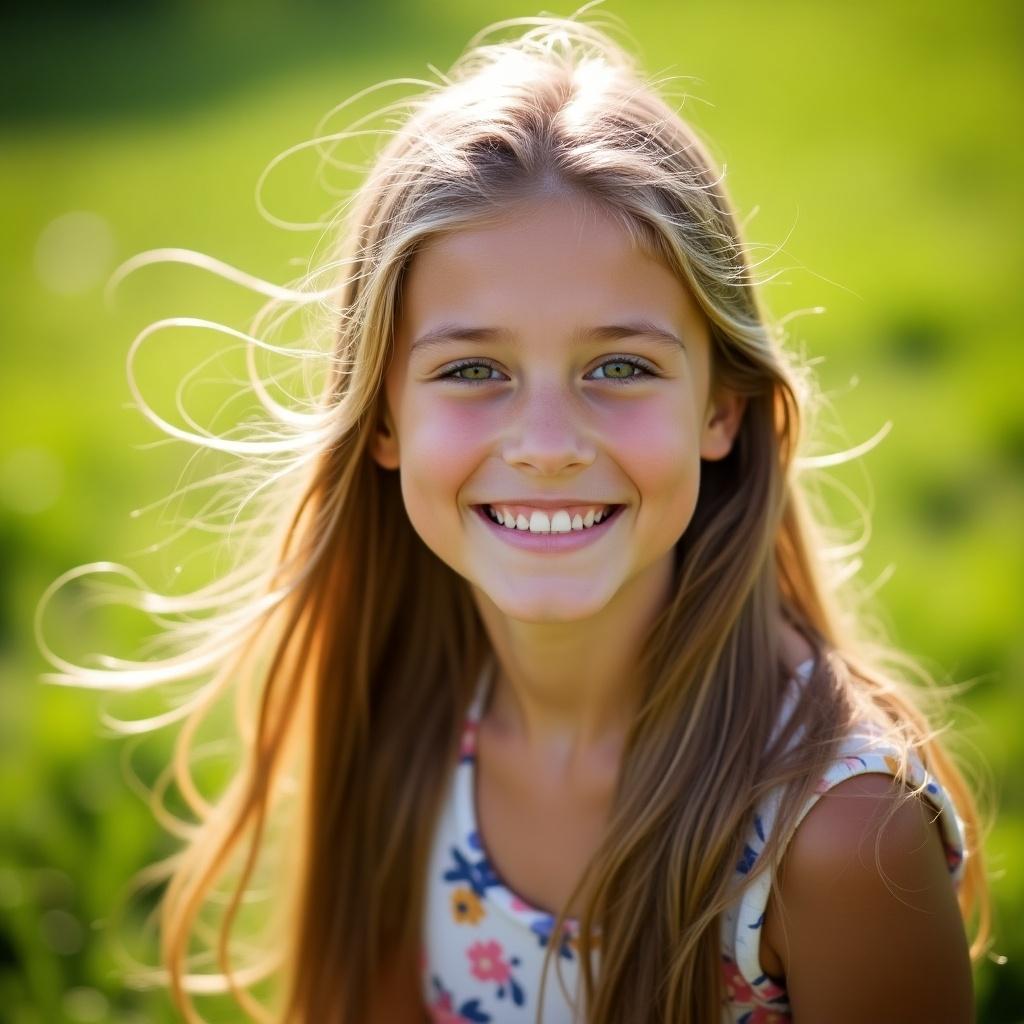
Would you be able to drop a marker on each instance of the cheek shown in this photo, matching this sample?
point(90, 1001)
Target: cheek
point(441, 445)
point(660, 450)
point(657, 443)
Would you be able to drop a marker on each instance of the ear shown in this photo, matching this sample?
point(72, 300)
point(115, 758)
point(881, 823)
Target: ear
point(722, 423)
point(384, 442)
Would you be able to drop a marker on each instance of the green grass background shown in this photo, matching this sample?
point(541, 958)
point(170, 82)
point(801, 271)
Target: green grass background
point(877, 143)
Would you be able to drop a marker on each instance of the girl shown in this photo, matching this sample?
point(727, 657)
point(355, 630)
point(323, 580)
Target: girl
point(549, 665)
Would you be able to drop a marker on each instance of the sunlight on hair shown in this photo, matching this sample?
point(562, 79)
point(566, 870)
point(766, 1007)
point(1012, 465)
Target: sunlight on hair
point(344, 654)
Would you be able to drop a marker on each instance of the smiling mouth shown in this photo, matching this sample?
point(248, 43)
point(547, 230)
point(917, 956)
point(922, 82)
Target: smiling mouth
point(519, 529)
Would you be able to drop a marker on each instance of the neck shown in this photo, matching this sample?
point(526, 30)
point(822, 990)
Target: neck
point(565, 693)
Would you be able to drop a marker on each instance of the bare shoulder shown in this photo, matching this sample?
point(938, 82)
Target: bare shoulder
point(866, 923)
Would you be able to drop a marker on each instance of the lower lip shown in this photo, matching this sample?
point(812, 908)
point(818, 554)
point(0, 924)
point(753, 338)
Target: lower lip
point(549, 542)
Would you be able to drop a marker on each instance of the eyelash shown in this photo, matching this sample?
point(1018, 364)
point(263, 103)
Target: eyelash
point(631, 360)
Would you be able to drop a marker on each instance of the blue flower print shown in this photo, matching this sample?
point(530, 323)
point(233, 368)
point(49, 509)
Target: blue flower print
point(478, 874)
point(542, 928)
point(746, 862)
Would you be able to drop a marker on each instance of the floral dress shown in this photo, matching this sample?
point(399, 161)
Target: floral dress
point(483, 946)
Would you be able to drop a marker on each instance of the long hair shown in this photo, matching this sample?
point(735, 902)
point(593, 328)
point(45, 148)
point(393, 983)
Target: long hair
point(350, 651)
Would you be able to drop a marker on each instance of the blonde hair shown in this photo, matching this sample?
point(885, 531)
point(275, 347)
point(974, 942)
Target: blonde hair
point(334, 610)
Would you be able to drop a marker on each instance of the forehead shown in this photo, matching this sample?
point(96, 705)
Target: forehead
point(549, 264)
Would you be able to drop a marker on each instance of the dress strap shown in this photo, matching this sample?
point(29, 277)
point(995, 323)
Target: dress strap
point(805, 667)
point(483, 689)
point(861, 752)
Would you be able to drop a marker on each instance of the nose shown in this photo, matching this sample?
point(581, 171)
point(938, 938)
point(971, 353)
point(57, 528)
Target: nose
point(547, 435)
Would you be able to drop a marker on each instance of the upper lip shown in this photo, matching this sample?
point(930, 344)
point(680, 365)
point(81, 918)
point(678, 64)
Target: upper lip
point(554, 503)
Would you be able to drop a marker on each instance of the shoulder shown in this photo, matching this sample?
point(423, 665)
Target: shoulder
point(866, 921)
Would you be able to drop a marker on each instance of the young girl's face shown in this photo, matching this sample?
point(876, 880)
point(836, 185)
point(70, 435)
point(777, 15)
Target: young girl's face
point(546, 408)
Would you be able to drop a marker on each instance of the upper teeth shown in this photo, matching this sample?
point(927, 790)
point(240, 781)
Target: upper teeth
point(539, 522)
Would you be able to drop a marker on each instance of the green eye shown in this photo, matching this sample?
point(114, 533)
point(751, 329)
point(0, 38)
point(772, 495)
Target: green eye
point(622, 362)
point(627, 364)
point(471, 367)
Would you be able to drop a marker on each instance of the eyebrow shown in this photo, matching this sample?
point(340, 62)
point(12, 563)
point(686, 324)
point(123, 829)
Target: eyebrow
point(450, 332)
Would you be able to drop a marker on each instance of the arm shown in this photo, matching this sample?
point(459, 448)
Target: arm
point(861, 945)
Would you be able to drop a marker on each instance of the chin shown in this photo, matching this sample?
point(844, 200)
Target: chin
point(548, 604)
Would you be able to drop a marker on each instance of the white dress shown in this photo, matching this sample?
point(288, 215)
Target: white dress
point(483, 946)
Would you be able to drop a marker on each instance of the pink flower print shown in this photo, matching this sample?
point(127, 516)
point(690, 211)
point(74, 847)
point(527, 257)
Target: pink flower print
point(487, 963)
point(764, 1015)
point(441, 1011)
point(517, 904)
point(742, 996)
point(953, 856)
point(769, 990)
point(737, 989)
point(467, 747)
point(851, 764)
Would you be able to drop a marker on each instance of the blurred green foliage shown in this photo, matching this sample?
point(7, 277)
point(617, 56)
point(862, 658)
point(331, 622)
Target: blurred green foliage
point(872, 142)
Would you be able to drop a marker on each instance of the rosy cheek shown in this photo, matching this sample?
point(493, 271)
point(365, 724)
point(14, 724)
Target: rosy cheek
point(446, 428)
point(657, 447)
point(651, 440)
point(443, 445)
